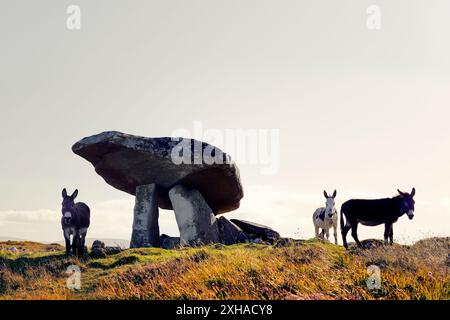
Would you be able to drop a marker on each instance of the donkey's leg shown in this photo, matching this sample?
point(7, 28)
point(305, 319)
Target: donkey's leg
point(82, 243)
point(75, 241)
point(335, 233)
point(355, 233)
point(316, 231)
point(67, 238)
point(68, 246)
point(391, 235)
point(344, 232)
point(80, 246)
point(387, 231)
point(327, 232)
point(322, 234)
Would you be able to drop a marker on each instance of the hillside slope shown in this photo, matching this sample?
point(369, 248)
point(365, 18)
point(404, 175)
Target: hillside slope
point(307, 270)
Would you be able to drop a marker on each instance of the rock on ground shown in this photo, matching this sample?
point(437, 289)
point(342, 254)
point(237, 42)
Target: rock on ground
point(168, 242)
point(98, 244)
point(99, 250)
point(255, 230)
point(230, 233)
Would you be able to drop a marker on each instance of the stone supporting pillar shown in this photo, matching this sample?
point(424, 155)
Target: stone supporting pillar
point(195, 219)
point(146, 214)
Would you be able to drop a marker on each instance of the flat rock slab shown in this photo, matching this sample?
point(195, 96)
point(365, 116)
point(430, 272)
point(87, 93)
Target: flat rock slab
point(125, 162)
point(168, 242)
point(230, 233)
point(257, 230)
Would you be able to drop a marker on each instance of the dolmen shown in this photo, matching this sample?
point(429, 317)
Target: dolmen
point(194, 179)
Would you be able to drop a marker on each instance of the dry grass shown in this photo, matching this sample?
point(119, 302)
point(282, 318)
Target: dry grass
point(309, 270)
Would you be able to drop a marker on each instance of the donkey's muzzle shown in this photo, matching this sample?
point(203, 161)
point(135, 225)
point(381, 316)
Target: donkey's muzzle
point(410, 214)
point(67, 216)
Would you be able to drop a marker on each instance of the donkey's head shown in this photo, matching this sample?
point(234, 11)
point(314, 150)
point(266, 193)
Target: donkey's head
point(68, 206)
point(329, 208)
point(408, 202)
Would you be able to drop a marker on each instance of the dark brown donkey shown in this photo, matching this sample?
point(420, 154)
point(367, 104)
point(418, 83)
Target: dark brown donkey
point(75, 222)
point(375, 212)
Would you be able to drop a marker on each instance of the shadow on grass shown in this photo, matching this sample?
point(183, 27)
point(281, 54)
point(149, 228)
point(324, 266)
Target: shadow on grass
point(119, 262)
point(54, 263)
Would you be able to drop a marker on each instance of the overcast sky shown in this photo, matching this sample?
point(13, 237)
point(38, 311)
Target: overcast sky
point(361, 111)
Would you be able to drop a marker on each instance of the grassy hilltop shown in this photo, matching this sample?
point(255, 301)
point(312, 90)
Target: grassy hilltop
point(308, 270)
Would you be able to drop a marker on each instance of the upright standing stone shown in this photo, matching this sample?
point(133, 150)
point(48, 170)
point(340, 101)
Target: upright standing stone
point(195, 219)
point(145, 223)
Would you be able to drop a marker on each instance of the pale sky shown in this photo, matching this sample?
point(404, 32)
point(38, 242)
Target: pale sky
point(361, 111)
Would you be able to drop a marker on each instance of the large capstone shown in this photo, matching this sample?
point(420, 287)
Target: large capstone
point(127, 162)
point(145, 223)
point(195, 219)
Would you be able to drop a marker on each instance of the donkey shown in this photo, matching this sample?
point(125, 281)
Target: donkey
point(326, 217)
point(75, 222)
point(375, 212)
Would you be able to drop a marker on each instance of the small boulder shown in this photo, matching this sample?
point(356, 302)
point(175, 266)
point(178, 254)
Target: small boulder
point(366, 244)
point(284, 242)
point(98, 249)
point(255, 230)
point(98, 253)
point(168, 242)
point(230, 233)
point(98, 244)
point(13, 250)
point(372, 243)
point(258, 241)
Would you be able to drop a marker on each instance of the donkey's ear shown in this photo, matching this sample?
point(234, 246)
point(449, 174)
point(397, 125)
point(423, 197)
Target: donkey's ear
point(334, 194)
point(74, 194)
point(413, 192)
point(325, 193)
point(64, 193)
point(401, 193)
